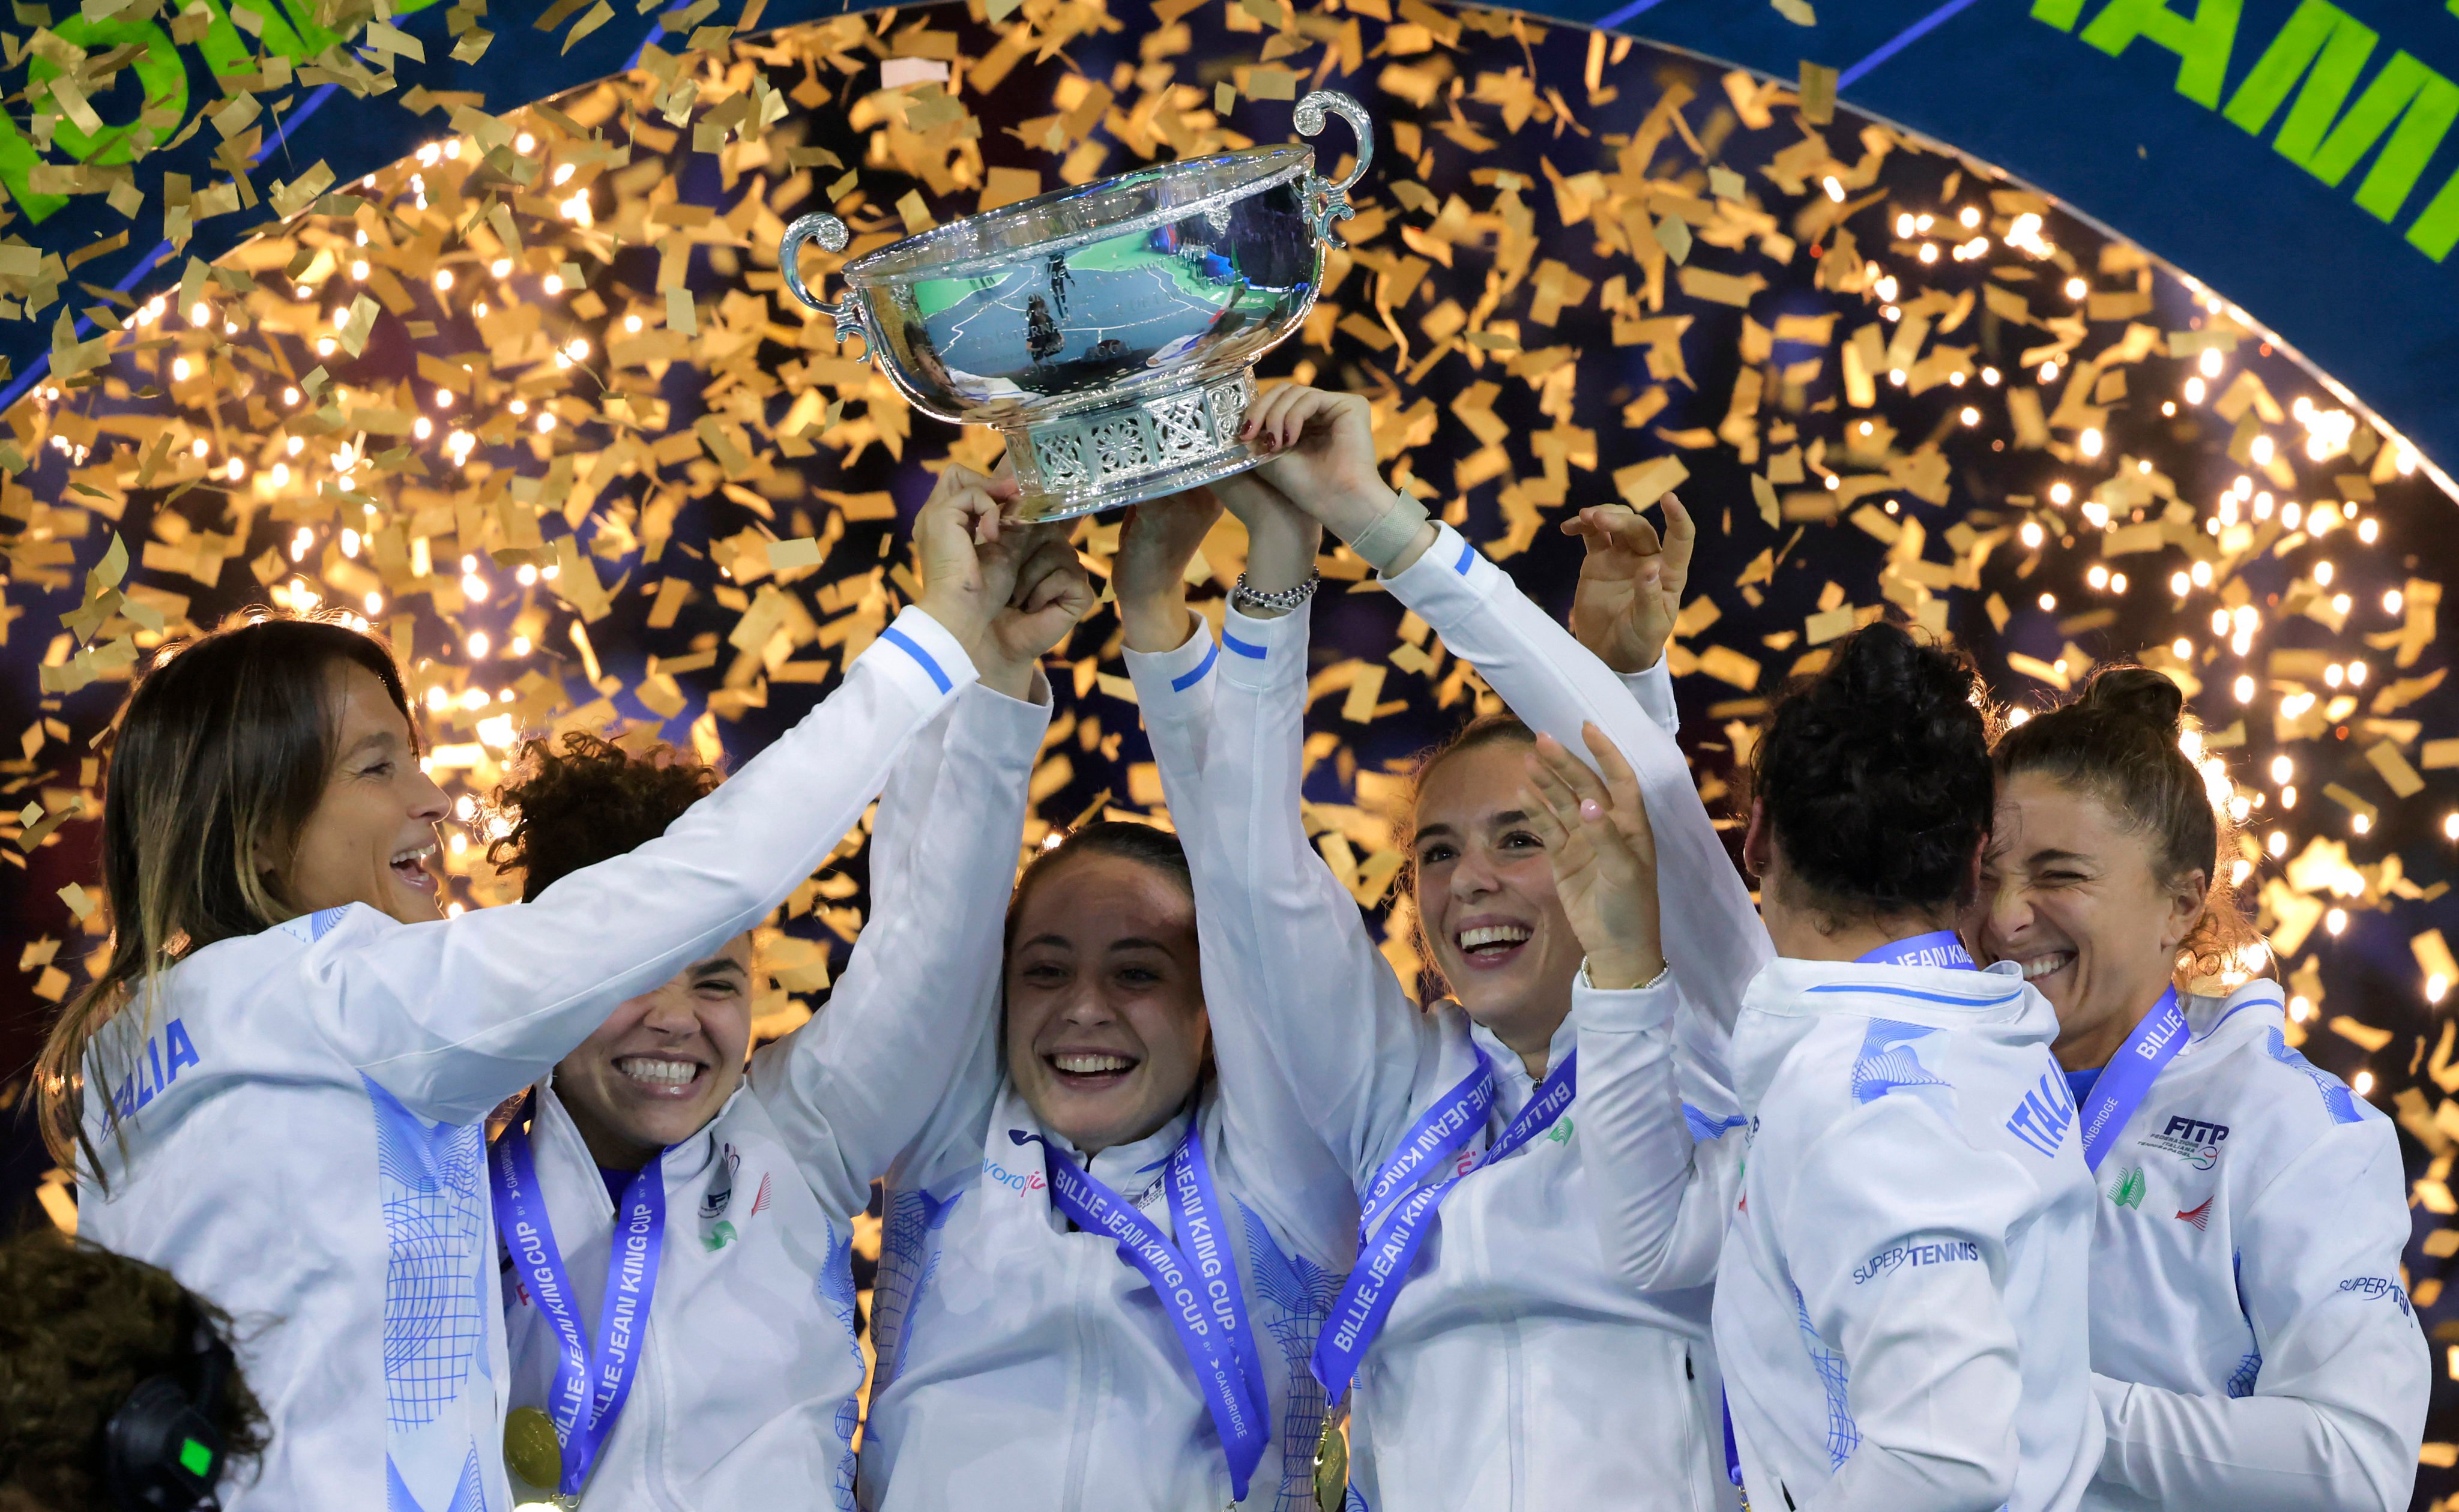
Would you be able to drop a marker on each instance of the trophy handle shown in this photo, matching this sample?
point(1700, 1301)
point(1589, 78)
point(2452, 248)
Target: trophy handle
point(1308, 116)
point(830, 232)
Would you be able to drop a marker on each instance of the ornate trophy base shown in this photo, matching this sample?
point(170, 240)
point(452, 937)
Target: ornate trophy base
point(1123, 453)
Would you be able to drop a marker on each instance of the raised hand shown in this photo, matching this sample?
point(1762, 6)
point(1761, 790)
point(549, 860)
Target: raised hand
point(1051, 594)
point(1281, 538)
point(960, 523)
point(1597, 838)
point(1631, 581)
point(1319, 451)
point(1156, 541)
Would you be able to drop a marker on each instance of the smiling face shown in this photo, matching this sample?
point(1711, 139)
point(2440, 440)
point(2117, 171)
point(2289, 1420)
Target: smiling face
point(372, 838)
point(1485, 897)
point(663, 1063)
point(2077, 899)
point(1106, 1024)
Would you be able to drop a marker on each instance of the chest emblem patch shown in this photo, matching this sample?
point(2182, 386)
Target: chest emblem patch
point(2129, 1190)
point(2199, 1217)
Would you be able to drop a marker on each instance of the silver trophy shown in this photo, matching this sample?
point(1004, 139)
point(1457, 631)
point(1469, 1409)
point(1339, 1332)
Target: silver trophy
point(1109, 332)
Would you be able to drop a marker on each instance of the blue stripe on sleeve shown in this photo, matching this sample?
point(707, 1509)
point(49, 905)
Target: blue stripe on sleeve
point(1255, 652)
point(1906, 992)
point(1468, 554)
point(1212, 654)
point(906, 643)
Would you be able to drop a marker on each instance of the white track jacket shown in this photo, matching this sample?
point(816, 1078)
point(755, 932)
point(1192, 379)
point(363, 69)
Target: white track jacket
point(1023, 1363)
point(2253, 1348)
point(1901, 1294)
point(1516, 1372)
point(750, 1374)
point(303, 1109)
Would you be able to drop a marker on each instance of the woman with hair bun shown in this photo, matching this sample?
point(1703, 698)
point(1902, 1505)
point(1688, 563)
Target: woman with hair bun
point(1898, 1245)
point(2252, 1344)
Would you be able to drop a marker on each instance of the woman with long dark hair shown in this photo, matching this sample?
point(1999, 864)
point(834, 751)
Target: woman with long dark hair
point(276, 1087)
point(2252, 1343)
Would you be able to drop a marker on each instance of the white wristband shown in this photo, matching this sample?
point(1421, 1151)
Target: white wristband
point(1391, 534)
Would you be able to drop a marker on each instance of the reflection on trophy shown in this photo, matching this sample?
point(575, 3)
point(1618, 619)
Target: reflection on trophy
point(1109, 332)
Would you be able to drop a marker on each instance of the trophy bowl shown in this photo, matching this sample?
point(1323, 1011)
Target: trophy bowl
point(1109, 332)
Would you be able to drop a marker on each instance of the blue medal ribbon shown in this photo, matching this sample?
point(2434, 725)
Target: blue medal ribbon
point(1196, 1280)
point(1398, 1213)
point(590, 1386)
point(2121, 1087)
point(1940, 948)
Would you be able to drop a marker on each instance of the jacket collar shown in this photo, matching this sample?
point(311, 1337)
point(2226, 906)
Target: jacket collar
point(1790, 997)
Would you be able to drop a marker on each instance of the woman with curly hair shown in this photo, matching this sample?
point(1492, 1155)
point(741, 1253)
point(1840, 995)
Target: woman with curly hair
point(95, 1349)
point(2252, 1344)
point(275, 1087)
point(646, 1166)
point(1898, 1240)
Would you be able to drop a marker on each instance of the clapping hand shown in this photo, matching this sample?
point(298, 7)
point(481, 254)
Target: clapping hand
point(1603, 854)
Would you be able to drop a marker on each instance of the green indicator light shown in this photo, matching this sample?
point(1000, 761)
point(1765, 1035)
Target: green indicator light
point(194, 1458)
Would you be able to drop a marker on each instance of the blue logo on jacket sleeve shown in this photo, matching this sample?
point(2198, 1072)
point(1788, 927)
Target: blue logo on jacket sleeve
point(1891, 1060)
point(2341, 1102)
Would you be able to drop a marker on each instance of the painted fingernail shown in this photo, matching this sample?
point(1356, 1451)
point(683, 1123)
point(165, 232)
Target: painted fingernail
point(1590, 808)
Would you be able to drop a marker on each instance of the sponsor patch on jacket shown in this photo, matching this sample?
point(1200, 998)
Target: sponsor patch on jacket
point(1012, 1181)
point(2375, 1286)
point(2194, 1141)
point(1915, 1255)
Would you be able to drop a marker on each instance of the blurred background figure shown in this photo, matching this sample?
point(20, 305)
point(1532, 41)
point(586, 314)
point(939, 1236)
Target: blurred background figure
point(117, 1392)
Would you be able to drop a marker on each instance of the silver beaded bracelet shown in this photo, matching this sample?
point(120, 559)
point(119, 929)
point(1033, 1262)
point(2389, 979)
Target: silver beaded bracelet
point(1280, 601)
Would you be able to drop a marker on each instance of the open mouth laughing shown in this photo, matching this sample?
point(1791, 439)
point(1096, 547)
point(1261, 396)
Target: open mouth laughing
point(1489, 946)
point(1090, 1070)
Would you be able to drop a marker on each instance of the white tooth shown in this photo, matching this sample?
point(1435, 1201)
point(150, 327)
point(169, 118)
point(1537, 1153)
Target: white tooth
point(668, 1073)
point(2043, 966)
point(1089, 1064)
point(1491, 934)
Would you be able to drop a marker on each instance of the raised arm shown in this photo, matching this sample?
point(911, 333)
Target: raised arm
point(1324, 462)
point(1895, 1232)
point(891, 1050)
point(453, 1017)
point(1662, 1178)
point(1297, 988)
point(2338, 1397)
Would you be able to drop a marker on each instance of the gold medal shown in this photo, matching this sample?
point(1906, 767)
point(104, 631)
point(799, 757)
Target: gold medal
point(531, 1449)
point(1332, 1468)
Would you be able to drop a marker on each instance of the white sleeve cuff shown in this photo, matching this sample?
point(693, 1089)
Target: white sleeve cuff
point(917, 650)
point(1653, 689)
point(1258, 653)
point(1156, 673)
point(1628, 1010)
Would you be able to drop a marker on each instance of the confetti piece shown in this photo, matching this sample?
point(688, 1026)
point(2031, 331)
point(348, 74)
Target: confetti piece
point(1642, 483)
point(1817, 85)
point(1800, 14)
